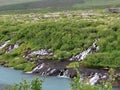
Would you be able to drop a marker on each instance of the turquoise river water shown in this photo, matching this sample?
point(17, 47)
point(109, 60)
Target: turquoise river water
point(8, 76)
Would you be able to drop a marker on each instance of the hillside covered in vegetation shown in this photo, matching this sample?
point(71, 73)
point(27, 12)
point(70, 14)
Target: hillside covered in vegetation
point(59, 36)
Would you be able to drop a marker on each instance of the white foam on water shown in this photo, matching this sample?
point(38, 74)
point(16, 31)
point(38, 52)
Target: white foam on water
point(65, 74)
point(94, 79)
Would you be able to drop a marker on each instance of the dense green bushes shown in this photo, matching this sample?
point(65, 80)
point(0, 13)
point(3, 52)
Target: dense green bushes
point(35, 84)
point(104, 59)
point(65, 37)
point(84, 85)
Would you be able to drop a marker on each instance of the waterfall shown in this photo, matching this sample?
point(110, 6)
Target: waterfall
point(83, 54)
point(42, 52)
point(12, 47)
point(94, 79)
point(64, 74)
point(52, 71)
point(4, 44)
point(39, 67)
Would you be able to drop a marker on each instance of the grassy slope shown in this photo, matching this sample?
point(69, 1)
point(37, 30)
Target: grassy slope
point(98, 4)
point(63, 4)
point(44, 4)
point(65, 36)
point(10, 2)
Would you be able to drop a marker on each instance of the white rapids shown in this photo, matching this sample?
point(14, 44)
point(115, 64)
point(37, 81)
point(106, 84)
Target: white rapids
point(94, 79)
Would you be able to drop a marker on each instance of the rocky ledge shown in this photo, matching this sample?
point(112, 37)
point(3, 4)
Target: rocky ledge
point(58, 68)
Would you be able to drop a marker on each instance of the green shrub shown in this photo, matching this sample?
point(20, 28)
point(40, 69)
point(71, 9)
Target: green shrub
point(35, 84)
point(82, 85)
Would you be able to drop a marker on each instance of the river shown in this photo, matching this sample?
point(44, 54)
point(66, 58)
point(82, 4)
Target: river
point(9, 76)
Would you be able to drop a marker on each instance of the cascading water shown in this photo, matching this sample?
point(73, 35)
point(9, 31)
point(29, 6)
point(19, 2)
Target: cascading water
point(64, 74)
point(51, 70)
point(39, 67)
point(94, 79)
point(55, 71)
point(41, 52)
point(83, 54)
point(12, 47)
point(4, 44)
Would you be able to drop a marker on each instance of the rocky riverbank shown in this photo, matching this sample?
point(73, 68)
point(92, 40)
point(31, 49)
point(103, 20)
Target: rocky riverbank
point(59, 68)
